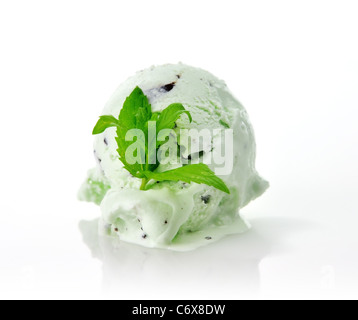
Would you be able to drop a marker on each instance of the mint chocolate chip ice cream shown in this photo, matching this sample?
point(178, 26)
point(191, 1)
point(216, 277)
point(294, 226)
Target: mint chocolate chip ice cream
point(167, 212)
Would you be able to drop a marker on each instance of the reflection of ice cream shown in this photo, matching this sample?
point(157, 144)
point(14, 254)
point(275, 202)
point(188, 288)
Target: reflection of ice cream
point(173, 214)
point(131, 272)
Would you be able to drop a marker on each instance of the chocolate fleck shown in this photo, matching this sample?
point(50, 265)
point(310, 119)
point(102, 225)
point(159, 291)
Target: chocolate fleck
point(208, 238)
point(105, 141)
point(116, 230)
point(144, 236)
point(168, 87)
point(206, 199)
point(96, 156)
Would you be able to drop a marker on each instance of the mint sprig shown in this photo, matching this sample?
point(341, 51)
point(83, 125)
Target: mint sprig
point(136, 114)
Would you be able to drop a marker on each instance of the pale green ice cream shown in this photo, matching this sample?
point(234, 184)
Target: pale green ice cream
point(176, 215)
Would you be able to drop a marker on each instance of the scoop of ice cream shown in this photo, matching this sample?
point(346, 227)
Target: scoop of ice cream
point(177, 214)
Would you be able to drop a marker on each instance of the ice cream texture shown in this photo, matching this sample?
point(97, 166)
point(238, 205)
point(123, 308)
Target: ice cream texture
point(176, 215)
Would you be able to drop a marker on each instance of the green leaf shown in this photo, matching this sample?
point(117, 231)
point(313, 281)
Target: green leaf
point(155, 116)
point(136, 110)
point(104, 123)
point(135, 114)
point(170, 115)
point(198, 173)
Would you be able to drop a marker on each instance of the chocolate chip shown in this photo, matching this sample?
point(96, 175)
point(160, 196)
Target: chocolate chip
point(144, 236)
point(116, 230)
point(206, 199)
point(208, 238)
point(96, 156)
point(165, 222)
point(168, 87)
point(195, 156)
point(178, 76)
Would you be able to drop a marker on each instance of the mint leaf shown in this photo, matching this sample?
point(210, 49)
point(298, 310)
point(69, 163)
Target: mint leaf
point(155, 116)
point(170, 115)
point(136, 110)
point(135, 114)
point(198, 173)
point(104, 123)
point(167, 119)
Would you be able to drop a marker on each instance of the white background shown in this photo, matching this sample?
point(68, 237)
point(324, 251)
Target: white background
point(293, 64)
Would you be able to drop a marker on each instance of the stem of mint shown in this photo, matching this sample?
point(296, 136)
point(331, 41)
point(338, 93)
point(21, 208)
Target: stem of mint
point(144, 183)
